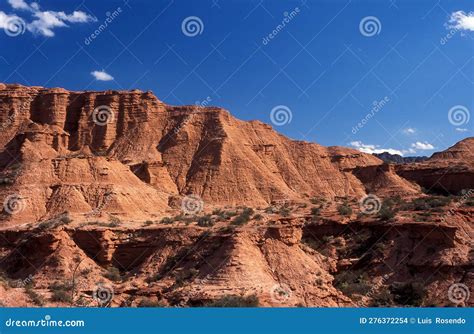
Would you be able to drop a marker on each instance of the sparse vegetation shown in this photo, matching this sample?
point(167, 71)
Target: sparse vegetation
point(206, 221)
point(167, 220)
point(344, 209)
point(244, 217)
point(35, 297)
point(387, 211)
point(114, 221)
point(382, 298)
point(113, 274)
point(61, 292)
point(257, 217)
point(428, 203)
point(352, 283)
point(315, 212)
point(235, 301)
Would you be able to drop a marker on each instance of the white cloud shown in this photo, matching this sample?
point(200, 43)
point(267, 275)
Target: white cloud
point(461, 20)
point(21, 4)
point(44, 22)
point(409, 131)
point(368, 148)
point(5, 19)
point(102, 76)
point(461, 130)
point(422, 146)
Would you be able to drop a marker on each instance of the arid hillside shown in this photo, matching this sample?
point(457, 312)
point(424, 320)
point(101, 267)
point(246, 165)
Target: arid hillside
point(116, 199)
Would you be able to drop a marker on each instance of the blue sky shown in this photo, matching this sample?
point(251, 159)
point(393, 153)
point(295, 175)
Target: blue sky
point(402, 81)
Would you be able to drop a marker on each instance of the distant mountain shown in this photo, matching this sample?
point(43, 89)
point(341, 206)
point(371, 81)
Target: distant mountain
point(398, 159)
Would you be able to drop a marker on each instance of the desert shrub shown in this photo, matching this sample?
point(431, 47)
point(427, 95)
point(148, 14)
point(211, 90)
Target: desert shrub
point(61, 292)
point(223, 215)
point(344, 209)
point(241, 220)
point(35, 297)
point(257, 217)
point(270, 209)
point(113, 274)
point(285, 211)
point(65, 220)
point(387, 211)
point(205, 221)
point(315, 212)
point(319, 281)
point(350, 283)
point(167, 220)
point(382, 298)
point(235, 301)
point(408, 293)
point(148, 223)
point(427, 203)
point(114, 221)
point(244, 217)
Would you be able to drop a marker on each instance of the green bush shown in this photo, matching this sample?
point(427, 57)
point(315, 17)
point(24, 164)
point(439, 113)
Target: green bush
point(344, 209)
point(427, 203)
point(244, 217)
point(387, 211)
point(351, 283)
point(167, 220)
point(35, 298)
point(206, 221)
point(61, 292)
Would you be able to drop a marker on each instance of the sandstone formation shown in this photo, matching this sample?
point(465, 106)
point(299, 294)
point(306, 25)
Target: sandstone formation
point(93, 187)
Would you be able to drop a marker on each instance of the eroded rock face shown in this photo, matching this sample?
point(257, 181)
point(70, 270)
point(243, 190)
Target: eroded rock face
point(448, 172)
point(90, 175)
point(102, 149)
